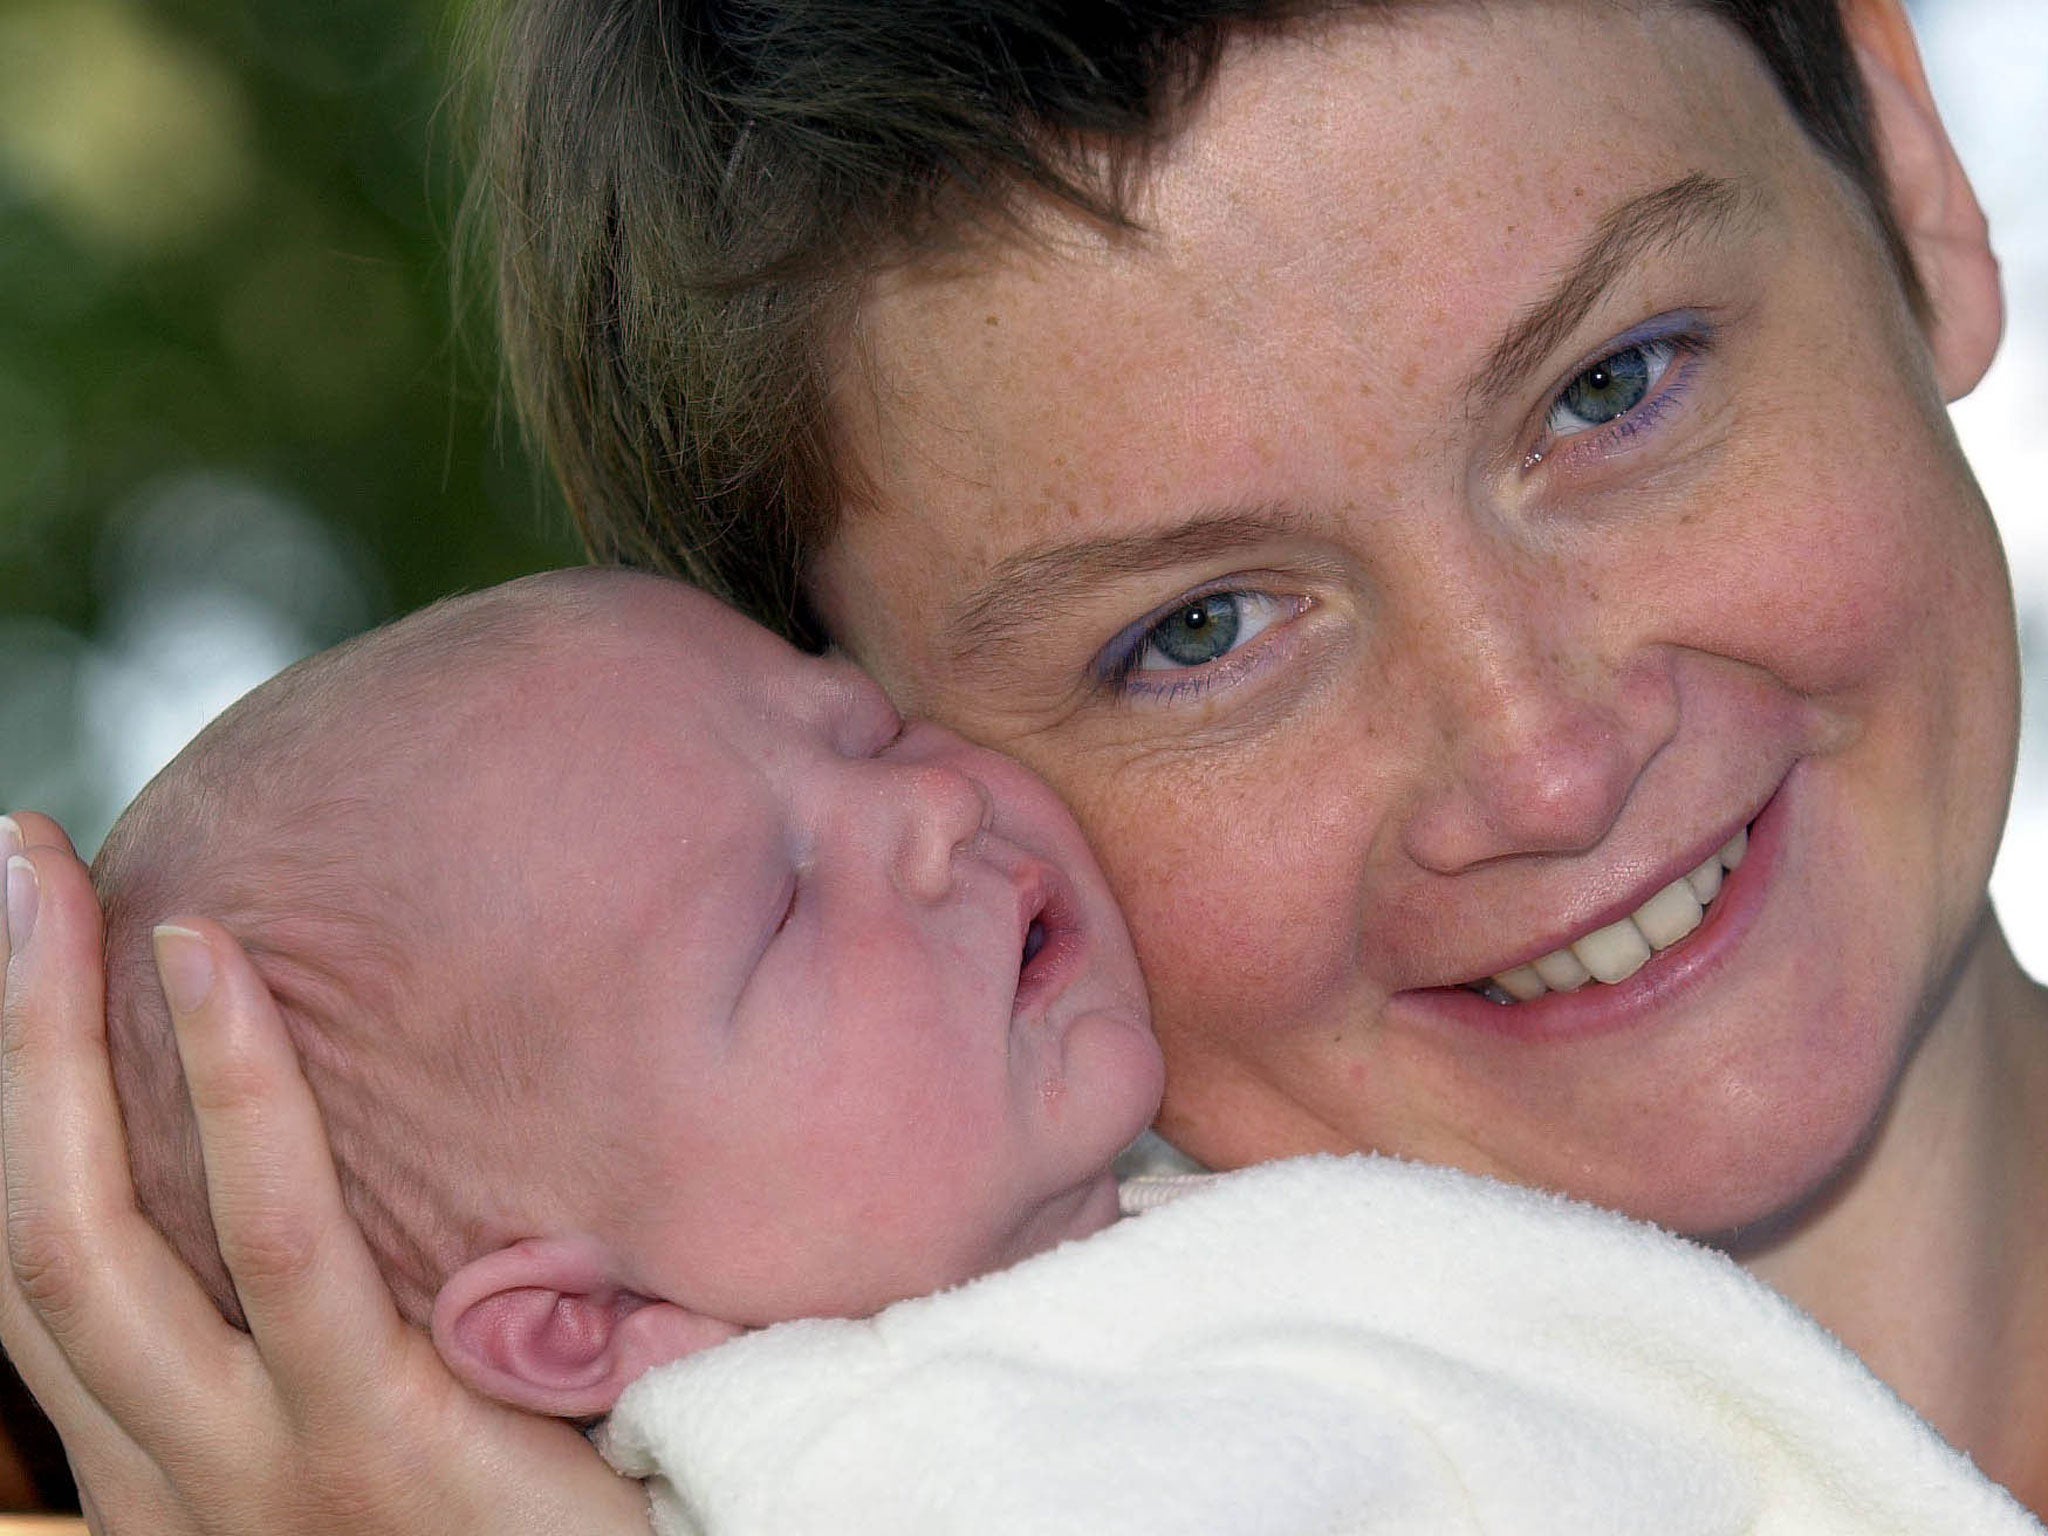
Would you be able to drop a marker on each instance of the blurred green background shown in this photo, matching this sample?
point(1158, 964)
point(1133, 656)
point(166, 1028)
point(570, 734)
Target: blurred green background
point(237, 421)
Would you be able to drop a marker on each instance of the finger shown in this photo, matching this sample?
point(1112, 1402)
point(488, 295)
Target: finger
point(39, 831)
point(315, 1302)
point(79, 1251)
point(35, 1357)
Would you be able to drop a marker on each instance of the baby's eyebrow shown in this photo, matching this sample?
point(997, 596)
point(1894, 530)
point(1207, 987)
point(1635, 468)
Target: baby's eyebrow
point(1017, 591)
point(1694, 205)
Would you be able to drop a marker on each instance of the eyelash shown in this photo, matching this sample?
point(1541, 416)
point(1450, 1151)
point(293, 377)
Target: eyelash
point(1685, 337)
point(1120, 671)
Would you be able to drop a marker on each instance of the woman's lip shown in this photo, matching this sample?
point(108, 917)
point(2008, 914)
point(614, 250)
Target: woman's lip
point(1600, 1008)
point(1626, 906)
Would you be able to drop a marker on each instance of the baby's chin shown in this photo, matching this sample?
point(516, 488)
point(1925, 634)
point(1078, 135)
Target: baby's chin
point(1114, 1078)
point(1083, 1212)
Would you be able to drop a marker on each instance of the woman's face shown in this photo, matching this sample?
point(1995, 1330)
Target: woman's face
point(1502, 471)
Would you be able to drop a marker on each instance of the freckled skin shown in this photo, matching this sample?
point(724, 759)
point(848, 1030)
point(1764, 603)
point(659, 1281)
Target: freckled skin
point(1513, 692)
point(1489, 646)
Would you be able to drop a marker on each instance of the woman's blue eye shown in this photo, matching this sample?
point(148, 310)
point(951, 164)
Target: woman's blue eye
point(1202, 630)
point(1612, 387)
point(1199, 644)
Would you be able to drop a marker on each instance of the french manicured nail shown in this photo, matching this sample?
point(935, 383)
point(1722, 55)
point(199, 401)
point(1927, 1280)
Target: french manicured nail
point(184, 964)
point(10, 838)
point(22, 892)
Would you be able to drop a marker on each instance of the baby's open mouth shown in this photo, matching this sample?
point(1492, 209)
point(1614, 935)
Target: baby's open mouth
point(1054, 941)
point(1034, 941)
point(1622, 948)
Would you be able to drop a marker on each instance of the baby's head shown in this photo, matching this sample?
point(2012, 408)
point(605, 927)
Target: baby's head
point(656, 982)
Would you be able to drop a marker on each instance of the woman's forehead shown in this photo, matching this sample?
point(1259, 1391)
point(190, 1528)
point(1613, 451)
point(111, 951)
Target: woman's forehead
point(1351, 222)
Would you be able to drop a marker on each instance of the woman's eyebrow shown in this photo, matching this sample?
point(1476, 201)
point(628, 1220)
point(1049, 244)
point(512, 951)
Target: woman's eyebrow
point(1016, 592)
point(1694, 205)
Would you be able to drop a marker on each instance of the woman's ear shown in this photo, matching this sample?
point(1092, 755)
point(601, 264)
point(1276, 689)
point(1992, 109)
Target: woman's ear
point(1938, 214)
point(543, 1325)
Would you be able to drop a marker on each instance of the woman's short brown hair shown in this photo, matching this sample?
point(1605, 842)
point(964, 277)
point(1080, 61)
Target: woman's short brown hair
point(685, 197)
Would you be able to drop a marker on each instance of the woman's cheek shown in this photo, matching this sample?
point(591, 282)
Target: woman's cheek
point(1829, 551)
point(1244, 904)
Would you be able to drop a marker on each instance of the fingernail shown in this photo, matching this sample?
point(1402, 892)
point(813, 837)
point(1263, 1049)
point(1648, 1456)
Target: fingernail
point(10, 837)
point(184, 963)
point(22, 891)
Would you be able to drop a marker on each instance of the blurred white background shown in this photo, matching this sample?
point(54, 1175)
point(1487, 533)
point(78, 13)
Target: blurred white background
point(1988, 61)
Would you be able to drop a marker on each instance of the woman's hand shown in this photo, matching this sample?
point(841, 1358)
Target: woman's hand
point(330, 1415)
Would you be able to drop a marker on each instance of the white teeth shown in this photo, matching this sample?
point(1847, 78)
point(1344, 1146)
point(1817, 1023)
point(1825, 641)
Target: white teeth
point(1522, 984)
point(1732, 851)
point(1706, 881)
point(1561, 971)
point(1614, 953)
point(1619, 950)
point(1669, 915)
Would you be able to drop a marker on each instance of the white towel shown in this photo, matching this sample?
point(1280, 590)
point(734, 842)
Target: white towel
point(1329, 1345)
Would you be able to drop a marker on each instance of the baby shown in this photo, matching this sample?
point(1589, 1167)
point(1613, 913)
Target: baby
point(656, 980)
point(658, 984)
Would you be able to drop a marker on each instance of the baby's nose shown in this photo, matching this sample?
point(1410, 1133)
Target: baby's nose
point(944, 810)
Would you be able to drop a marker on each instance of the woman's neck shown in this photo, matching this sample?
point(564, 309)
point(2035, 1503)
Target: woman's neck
point(1931, 1259)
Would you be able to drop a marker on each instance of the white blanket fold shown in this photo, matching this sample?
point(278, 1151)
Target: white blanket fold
point(1331, 1345)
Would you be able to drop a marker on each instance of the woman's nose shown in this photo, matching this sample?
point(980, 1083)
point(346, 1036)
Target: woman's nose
point(942, 809)
point(1541, 737)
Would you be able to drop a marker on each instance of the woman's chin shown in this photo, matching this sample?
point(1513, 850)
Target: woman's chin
point(1729, 1187)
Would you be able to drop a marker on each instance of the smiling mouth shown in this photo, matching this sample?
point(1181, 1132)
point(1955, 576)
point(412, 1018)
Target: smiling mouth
point(1616, 952)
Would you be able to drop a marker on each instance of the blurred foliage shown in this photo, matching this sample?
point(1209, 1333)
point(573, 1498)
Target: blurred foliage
point(225, 234)
point(225, 308)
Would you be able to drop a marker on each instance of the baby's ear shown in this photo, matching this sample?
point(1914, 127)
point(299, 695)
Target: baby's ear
point(544, 1326)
